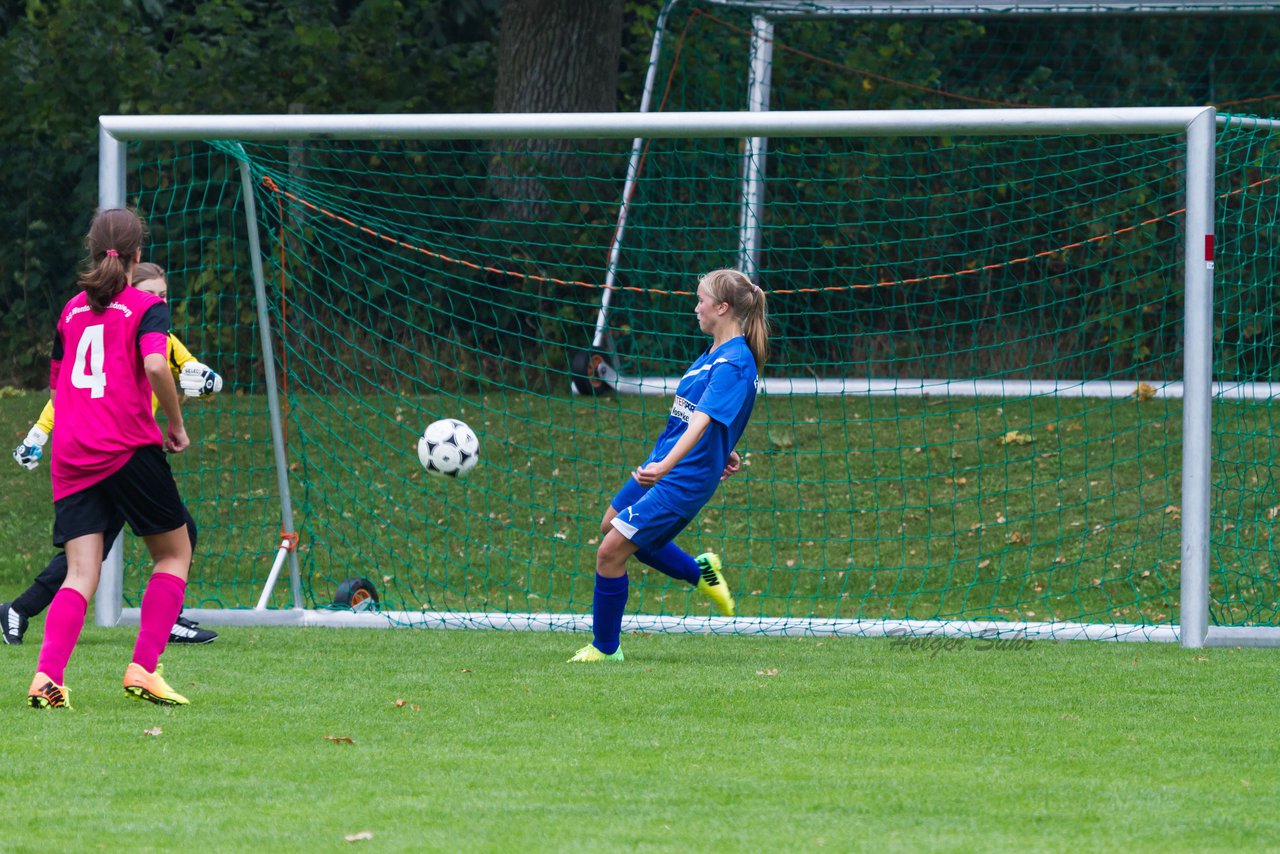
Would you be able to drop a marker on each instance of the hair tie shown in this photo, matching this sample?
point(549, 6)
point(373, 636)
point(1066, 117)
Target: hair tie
point(113, 253)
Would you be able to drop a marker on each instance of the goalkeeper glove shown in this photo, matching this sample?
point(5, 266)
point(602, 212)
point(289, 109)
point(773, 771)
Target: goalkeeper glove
point(199, 380)
point(28, 454)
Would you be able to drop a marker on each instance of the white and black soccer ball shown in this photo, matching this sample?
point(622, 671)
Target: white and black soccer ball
point(448, 447)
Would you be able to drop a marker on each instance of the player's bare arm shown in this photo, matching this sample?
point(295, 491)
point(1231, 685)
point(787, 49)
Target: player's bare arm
point(656, 471)
point(161, 379)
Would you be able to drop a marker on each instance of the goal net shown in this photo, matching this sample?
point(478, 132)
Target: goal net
point(973, 421)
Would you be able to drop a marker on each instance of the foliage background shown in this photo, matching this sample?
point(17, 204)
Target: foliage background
point(63, 64)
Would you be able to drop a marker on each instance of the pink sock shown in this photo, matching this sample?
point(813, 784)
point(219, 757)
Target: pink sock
point(61, 631)
point(161, 605)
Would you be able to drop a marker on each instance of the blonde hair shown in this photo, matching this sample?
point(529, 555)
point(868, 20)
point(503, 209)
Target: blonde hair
point(114, 239)
point(747, 302)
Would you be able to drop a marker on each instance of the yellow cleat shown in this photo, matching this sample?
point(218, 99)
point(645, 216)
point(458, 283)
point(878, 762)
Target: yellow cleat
point(712, 583)
point(151, 686)
point(47, 694)
point(589, 653)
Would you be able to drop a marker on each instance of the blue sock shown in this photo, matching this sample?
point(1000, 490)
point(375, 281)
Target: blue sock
point(673, 561)
point(607, 605)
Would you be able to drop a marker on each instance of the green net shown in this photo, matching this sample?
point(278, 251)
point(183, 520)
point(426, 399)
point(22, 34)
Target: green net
point(966, 416)
point(825, 58)
point(1022, 295)
point(1243, 581)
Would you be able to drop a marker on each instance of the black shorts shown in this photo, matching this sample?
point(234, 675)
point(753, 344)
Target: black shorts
point(142, 493)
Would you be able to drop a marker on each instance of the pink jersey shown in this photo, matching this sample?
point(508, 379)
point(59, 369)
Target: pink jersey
point(103, 397)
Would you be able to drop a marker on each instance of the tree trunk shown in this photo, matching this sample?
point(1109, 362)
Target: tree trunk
point(554, 56)
point(558, 56)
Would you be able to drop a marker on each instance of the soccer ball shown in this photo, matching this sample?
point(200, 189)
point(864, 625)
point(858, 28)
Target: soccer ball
point(448, 447)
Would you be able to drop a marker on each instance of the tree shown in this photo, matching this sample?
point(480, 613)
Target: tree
point(554, 56)
point(558, 56)
point(66, 63)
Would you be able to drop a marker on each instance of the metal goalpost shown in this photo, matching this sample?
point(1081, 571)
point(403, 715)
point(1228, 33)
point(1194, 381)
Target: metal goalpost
point(765, 16)
point(1198, 124)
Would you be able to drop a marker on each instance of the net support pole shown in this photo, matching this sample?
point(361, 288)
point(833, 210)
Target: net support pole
point(273, 400)
point(112, 161)
point(633, 176)
point(755, 150)
point(286, 548)
point(1197, 380)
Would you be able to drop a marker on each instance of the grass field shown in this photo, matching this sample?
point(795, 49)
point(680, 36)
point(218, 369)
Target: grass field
point(1042, 509)
point(853, 508)
point(487, 741)
point(298, 739)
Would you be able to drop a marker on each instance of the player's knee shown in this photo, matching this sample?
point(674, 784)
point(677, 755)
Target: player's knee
point(611, 556)
point(82, 576)
point(175, 545)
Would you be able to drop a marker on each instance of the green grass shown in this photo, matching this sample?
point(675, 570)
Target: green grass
point(695, 743)
point(1044, 509)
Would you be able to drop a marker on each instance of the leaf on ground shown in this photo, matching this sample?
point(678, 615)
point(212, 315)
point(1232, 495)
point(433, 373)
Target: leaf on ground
point(362, 836)
point(1013, 437)
point(1144, 392)
point(400, 703)
point(781, 441)
point(770, 671)
point(155, 730)
point(340, 739)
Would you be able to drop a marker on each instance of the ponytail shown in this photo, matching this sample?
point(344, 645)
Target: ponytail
point(749, 305)
point(755, 328)
point(114, 240)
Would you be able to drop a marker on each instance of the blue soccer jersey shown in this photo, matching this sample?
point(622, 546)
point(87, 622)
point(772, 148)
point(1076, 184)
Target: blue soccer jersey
point(721, 383)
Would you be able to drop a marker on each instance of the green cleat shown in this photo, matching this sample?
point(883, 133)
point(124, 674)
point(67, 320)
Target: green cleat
point(712, 584)
point(589, 653)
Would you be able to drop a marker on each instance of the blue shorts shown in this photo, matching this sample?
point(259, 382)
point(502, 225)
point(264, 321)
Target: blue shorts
point(643, 518)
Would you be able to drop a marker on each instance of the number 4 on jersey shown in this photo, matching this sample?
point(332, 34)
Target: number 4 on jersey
point(86, 370)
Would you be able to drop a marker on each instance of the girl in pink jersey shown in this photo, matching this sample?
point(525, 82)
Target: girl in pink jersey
point(108, 467)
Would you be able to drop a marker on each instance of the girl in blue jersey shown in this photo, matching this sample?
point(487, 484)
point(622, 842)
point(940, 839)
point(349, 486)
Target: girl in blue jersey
point(694, 453)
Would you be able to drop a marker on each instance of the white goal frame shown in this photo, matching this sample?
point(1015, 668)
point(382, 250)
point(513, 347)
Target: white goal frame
point(1197, 124)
